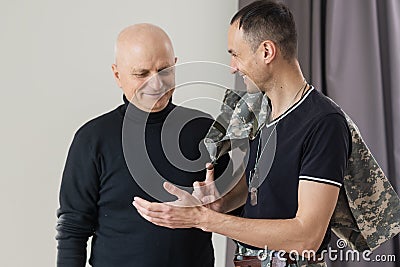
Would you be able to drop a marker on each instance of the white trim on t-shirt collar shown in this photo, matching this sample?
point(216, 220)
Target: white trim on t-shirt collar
point(291, 109)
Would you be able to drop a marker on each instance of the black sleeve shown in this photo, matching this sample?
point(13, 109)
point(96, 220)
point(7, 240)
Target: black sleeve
point(77, 215)
point(326, 151)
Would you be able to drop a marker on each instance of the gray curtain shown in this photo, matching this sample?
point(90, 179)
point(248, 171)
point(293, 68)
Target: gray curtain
point(348, 49)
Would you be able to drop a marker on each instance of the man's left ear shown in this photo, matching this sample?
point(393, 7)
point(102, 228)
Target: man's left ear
point(269, 51)
point(116, 75)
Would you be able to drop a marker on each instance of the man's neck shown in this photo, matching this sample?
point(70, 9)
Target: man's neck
point(285, 91)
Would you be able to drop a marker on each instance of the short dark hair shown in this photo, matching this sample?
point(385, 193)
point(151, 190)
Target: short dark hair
point(268, 20)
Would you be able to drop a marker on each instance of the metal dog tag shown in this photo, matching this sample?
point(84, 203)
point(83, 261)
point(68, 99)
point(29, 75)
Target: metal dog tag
point(253, 196)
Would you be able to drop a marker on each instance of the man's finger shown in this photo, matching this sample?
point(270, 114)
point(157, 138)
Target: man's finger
point(197, 184)
point(154, 220)
point(173, 190)
point(197, 193)
point(151, 206)
point(209, 166)
point(210, 173)
point(208, 199)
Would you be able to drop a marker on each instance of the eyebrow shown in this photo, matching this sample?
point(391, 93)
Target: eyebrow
point(142, 70)
point(139, 70)
point(166, 66)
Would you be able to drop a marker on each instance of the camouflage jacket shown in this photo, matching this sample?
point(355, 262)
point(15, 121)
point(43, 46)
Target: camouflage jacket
point(368, 209)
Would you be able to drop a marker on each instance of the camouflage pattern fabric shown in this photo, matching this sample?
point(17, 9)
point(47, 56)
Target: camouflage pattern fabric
point(368, 209)
point(368, 195)
point(242, 115)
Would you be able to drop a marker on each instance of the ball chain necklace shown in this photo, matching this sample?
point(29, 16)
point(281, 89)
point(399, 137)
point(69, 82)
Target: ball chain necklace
point(254, 180)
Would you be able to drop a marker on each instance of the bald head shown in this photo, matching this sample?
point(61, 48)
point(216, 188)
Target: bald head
point(144, 58)
point(142, 40)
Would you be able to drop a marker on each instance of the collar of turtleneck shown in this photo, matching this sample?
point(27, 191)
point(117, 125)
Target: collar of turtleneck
point(134, 113)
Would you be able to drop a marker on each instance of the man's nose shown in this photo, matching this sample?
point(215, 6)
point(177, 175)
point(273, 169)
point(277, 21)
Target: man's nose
point(155, 82)
point(233, 65)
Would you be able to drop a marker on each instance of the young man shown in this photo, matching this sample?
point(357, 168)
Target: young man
point(290, 206)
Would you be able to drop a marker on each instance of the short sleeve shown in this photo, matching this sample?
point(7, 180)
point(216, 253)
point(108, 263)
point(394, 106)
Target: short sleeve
point(326, 151)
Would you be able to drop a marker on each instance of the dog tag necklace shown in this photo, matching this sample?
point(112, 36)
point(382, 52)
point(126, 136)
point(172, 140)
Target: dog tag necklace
point(254, 180)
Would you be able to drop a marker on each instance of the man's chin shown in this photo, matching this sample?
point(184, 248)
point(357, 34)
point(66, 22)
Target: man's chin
point(158, 105)
point(153, 102)
point(251, 87)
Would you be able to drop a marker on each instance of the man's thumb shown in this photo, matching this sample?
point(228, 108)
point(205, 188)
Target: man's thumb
point(210, 172)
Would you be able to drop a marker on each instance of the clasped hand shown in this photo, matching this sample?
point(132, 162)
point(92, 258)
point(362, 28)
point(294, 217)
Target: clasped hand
point(189, 210)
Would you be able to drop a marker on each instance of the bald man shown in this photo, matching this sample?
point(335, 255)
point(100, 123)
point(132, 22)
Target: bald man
point(97, 187)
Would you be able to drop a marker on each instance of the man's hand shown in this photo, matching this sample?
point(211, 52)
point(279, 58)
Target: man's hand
point(184, 198)
point(186, 212)
point(206, 191)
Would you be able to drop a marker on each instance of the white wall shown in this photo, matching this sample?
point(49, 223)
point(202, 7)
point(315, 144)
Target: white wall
point(55, 75)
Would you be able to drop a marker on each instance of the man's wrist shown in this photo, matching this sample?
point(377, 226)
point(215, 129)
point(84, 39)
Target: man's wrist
point(217, 205)
point(205, 217)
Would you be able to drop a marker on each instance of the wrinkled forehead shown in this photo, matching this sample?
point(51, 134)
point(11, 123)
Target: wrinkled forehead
point(148, 55)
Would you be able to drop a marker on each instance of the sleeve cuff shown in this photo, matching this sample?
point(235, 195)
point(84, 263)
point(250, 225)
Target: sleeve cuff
point(320, 180)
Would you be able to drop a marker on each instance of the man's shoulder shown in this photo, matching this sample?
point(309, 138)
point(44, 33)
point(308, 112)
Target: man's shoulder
point(101, 124)
point(323, 106)
point(323, 112)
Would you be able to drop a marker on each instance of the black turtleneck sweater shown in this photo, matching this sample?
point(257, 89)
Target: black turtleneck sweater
point(97, 191)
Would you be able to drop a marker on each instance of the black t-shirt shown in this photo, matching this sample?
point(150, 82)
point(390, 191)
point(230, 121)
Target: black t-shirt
point(97, 191)
point(311, 141)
